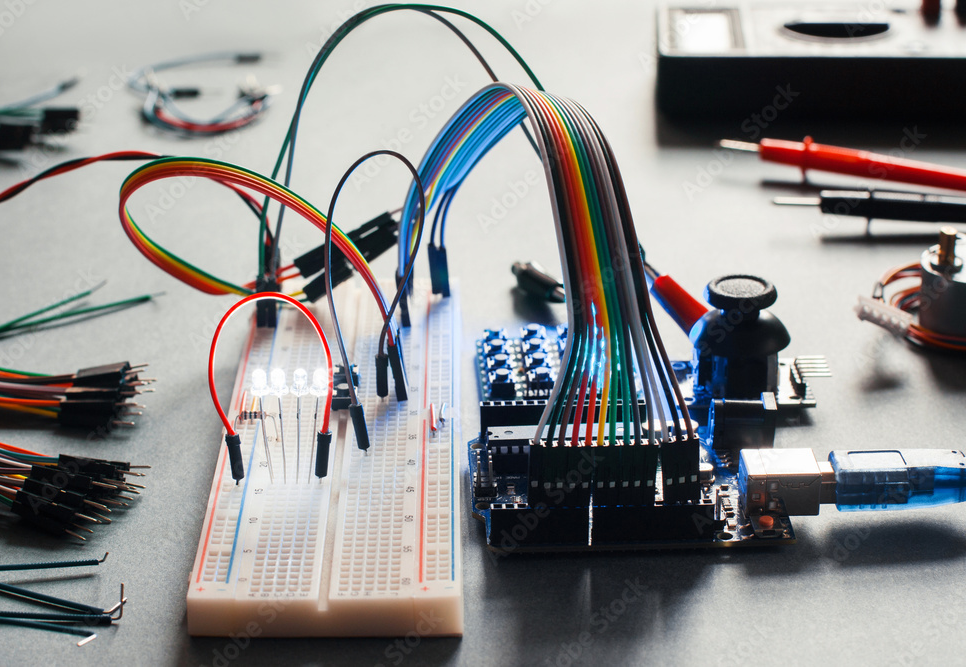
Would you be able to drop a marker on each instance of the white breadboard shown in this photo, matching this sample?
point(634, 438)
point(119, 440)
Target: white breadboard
point(373, 549)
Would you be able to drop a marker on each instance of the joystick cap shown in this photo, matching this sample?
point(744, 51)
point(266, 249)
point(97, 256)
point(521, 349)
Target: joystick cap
point(741, 292)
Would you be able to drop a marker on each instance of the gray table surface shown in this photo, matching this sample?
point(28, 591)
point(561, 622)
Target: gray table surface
point(856, 589)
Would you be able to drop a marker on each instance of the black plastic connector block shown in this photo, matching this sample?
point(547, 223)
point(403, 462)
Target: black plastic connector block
point(95, 468)
point(623, 525)
point(266, 310)
point(514, 526)
point(52, 494)
point(233, 442)
point(59, 120)
point(248, 58)
point(108, 375)
point(341, 398)
point(398, 366)
point(323, 442)
point(94, 394)
point(42, 513)
point(15, 136)
point(358, 416)
point(560, 476)
point(61, 479)
point(484, 483)
point(316, 288)
point(625, 474)
point(185, 93)
point(88, 414)
point(680, 460)
point(534, 279)
point(404, 303)
point(438, 269)
point(372, 238)
point(382, 375)
point(736, 424)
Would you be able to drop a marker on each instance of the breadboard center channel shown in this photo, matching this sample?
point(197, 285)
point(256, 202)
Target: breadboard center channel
point(373, 548)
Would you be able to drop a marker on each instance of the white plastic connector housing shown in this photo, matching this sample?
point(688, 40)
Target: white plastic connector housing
point(882, 314)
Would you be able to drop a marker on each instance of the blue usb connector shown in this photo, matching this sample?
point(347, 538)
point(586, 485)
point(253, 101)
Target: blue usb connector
point(792, 482)
point(898, 479)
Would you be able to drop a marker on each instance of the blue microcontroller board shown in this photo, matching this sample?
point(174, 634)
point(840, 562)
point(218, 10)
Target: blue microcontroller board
point(516, 374)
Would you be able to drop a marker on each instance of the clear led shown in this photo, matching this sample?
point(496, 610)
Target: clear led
point(279, 388)
point(260, 383)
point(318, 382)
point(300, 382)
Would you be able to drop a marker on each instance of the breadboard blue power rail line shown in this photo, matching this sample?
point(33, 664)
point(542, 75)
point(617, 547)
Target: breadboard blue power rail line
point(373, 548)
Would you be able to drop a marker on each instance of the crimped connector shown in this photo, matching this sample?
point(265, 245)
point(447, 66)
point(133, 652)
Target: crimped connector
point(233, 442)
point(323, 442)
point(398, 372)
point(358, 416)
point(382, 375)
point(438, 269)
point(266, 310)
point(49, 516)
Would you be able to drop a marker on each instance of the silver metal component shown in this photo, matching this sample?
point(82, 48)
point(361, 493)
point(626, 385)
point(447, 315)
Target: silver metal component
point(298, 437)
point(946, 254)
point(278, 431)
point(797, 201)
point(942, 297)
point(268, 452)
point(315, 429)
point(788, 481)
point(734, 145)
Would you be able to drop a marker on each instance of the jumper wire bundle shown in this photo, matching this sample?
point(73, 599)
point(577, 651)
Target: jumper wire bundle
point(99, 397)
point(609, 311)
point(64, 495)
